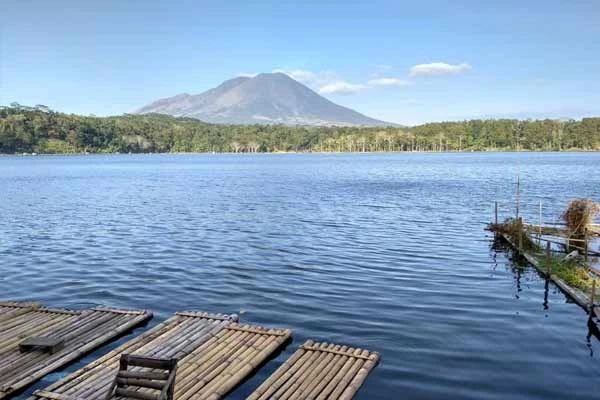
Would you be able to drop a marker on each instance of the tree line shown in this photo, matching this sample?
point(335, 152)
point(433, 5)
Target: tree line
point(40, 130)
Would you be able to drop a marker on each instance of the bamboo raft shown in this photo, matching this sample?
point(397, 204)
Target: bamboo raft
point(215, 354)
point(10, 309)
point(78, 332)
point(319, 371)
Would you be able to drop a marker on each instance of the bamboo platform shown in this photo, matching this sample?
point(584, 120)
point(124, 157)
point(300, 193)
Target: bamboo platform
point(10, 309)
point(215, 354)
point(319, 371)
point(78, 331)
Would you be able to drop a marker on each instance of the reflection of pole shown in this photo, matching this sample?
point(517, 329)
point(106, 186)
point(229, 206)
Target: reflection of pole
point(546, 294)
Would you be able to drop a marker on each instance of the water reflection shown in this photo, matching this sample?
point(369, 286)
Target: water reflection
point(519, 267)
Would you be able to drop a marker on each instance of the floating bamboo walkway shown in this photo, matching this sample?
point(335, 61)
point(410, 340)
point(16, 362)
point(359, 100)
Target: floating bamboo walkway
point(319, 371)
point(578, 296)
point(78, 331)
point(215, 354)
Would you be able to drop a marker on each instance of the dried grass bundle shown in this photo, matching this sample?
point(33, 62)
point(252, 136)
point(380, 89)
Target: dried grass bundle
point(579, 215)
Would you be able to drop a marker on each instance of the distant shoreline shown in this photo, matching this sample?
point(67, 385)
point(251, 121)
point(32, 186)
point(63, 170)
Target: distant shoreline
point(25, 131)
point(292, 152)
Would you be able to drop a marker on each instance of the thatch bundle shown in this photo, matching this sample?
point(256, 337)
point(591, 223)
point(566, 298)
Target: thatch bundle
point(579, 215)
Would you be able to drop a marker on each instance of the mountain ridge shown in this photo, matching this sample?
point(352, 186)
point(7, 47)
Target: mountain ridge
point(267, 98)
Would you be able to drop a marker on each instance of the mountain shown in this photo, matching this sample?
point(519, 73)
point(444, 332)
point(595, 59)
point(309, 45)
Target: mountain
point(264, 99)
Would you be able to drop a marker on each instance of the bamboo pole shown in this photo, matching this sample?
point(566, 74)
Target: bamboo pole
point(343, 366)
point(540, 223)
point(360, 377)
point(585, 244)
point(323, 371)
point(548, 259)
point(518, 189)
point(354, 365)
point(520, 227)
point(496, 212)
point(592, 300)
point(280, 376)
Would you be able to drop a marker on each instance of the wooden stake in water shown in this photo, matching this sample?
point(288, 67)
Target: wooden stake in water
point(518, 187)
point(585, 245)
point(520, 234)
point(540, 224)
point(548, 258)
point(592, 295)
point(496, 212)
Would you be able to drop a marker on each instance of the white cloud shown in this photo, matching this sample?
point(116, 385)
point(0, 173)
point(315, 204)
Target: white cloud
point(247, 74)
point(341, 87)
point(389, 82)
point(326, 82)
point(413, 102)
point(300, 75)
point(438, 68)
point(379, 70)
point(309, 78)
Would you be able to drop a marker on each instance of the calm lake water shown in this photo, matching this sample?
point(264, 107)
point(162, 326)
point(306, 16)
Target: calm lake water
point(387, 252)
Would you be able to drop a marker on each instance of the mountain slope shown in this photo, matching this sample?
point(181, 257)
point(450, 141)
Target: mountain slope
point(267, 98)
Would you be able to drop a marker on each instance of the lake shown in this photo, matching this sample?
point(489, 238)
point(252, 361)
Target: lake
point(383, 251)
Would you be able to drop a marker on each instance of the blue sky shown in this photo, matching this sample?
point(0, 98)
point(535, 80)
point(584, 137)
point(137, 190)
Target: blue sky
point(406, 62)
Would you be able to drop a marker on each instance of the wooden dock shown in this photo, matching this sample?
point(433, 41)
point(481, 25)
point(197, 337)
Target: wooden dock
point(215, 354)
point(77, 332)
point(579, 297)
point(319, 371)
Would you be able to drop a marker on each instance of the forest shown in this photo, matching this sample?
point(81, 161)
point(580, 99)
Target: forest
point(43, 131)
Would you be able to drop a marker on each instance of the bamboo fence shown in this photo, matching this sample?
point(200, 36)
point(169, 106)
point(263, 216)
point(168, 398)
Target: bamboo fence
point(319, 371)
point(80, 331)
point(215, 354)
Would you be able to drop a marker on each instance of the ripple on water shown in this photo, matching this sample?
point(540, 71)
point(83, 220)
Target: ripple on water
point(383, 251)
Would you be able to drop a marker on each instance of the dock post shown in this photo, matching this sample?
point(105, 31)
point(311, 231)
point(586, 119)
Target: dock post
point(548, 259)
point(520, 227)
point(496, 212)
point(585, 245)
point(540, 224)
point(518, 188)
point(592, 298)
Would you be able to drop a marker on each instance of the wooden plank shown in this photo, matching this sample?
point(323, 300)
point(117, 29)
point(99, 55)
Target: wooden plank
point(214, 355)
point(319, 371)
point(147, 362)
point(48, 344)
